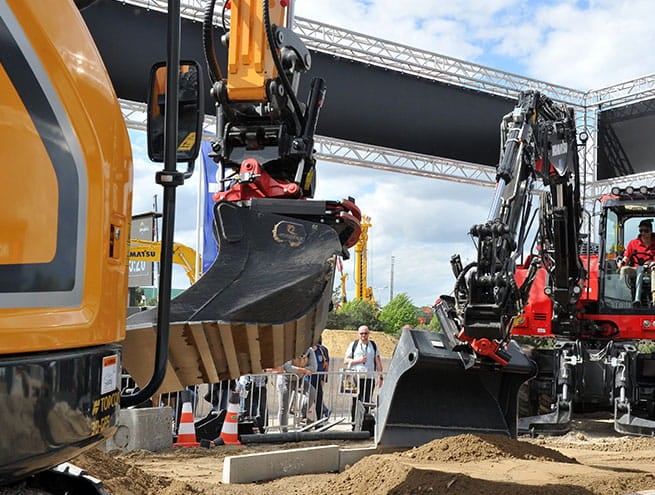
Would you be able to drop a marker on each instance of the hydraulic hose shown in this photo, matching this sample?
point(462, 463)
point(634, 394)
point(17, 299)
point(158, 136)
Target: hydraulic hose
point(213, 68)
point(278, 65)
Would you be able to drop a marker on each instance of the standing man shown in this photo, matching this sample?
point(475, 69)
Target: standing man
point(363, 356)
point(288, 381)
point(317, 380)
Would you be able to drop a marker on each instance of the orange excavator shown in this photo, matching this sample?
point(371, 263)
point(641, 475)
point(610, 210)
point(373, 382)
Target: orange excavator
point(66, 207)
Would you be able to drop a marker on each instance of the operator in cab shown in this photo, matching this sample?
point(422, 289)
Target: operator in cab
point(638, 259)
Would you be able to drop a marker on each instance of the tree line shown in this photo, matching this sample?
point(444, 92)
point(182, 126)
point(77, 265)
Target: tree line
point(390, 319)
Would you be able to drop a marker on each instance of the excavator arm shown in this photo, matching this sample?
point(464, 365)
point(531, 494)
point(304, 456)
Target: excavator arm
point(466, 379)
point(538, 144)
point(266, 296)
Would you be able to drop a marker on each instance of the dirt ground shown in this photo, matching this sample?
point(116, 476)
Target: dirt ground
point(591, 459)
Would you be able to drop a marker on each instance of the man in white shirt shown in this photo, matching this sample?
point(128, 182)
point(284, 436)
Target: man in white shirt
point(363, 356)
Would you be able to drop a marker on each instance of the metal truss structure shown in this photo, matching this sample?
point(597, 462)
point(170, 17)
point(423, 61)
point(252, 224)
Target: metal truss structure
point(362, 155)
point(421, 63)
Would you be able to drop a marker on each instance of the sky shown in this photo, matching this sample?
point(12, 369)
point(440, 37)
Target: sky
point(421, 222)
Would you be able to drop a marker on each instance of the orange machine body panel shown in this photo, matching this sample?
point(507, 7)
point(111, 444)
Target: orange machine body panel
point(66, 190)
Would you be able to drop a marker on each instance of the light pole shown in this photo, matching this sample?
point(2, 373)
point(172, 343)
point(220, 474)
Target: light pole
point(393, 258)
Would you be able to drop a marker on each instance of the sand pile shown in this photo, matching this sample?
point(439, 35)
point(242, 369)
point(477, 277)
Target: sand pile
point(382, 475)
point(470, 448)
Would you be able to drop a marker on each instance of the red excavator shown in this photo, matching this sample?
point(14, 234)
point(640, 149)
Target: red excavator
point(540, 279)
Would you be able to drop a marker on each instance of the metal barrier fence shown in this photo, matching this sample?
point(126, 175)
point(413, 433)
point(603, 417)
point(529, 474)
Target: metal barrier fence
point(279, 402)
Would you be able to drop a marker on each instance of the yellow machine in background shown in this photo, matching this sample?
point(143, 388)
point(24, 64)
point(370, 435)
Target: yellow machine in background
point(362, 290)
point(150, 251)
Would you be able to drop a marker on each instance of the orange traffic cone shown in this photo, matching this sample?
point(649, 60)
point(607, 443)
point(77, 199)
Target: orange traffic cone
point(230, 430)
point(186, 431)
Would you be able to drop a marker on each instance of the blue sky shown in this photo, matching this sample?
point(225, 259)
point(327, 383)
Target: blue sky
point(584, 45)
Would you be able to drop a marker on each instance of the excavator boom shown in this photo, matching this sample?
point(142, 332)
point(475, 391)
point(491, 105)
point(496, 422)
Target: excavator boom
point(266, 296)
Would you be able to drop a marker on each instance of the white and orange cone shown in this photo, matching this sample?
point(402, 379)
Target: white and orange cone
point(230, 430)
point(186, 431)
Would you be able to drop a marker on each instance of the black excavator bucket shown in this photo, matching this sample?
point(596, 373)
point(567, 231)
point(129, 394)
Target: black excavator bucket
point(434, 391)
point(626, 423)
point(264, 300)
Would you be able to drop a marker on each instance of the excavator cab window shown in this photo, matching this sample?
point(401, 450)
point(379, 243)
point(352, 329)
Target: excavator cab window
point(190, 116)
point(616, 294)
point(619, 286)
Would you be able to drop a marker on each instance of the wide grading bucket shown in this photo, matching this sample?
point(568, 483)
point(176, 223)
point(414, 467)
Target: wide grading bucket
point(433, 392)
point(264, 300)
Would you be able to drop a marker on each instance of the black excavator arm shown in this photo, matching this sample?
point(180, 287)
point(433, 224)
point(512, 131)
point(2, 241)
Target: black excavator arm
point(466, 379)
point(538, 144)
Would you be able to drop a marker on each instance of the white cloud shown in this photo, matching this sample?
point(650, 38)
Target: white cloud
point(585, 45)
point(420, 222)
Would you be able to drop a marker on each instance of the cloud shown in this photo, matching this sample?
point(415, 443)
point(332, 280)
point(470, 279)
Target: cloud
point(584, 44)
point(420, 222)
point(593, 47)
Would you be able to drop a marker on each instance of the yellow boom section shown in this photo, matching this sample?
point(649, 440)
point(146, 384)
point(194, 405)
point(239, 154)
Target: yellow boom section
point(250, 64)
point(362, 290)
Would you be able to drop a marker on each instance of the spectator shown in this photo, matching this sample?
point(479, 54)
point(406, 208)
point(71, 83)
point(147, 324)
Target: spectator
point(253, 399)
point(363, 356)
point(639, 256)
point(287, 382)
point(316, 380)
point(219, 394)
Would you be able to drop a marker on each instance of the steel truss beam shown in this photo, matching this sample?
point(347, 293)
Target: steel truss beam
point(362, 155)
point(342, 43)
point(379, 158)
point(421, 63)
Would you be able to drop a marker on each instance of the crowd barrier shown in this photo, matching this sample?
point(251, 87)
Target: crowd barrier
point(334, 400)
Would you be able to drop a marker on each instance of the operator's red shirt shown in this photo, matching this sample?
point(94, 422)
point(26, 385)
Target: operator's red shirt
point(644, 252)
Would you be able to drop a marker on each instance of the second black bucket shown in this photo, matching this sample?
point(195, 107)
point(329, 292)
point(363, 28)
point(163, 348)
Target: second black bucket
point(433, 392)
